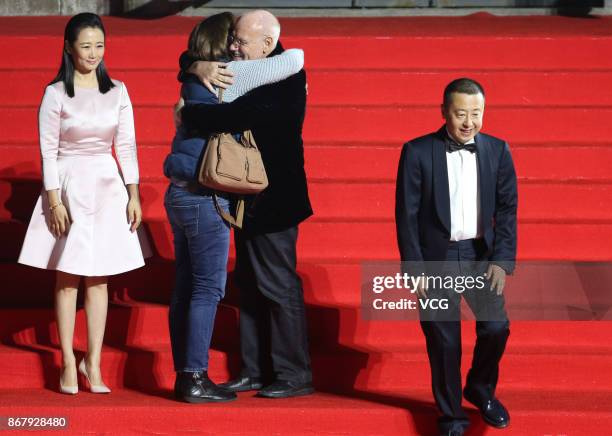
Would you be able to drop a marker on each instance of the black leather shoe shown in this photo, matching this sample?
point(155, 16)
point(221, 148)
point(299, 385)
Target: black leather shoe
point(492, 411)
point(286, 389)
point(243, 384)
point(196, 387)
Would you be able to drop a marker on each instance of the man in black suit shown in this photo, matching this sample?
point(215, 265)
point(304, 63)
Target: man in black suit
point(456, 203)
point(272, 313)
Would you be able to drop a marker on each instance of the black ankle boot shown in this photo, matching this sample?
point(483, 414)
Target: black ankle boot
point(196, 387)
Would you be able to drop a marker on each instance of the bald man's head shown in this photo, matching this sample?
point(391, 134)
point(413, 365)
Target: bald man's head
point(256, 35)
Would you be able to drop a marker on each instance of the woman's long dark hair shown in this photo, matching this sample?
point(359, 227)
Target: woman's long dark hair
point(71, 34)
point(209, 39)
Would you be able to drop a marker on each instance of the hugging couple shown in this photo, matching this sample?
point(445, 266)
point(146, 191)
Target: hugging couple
point(264, 92)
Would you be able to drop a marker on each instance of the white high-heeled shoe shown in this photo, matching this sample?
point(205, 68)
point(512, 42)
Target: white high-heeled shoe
point(94, 389)
point(70, 390)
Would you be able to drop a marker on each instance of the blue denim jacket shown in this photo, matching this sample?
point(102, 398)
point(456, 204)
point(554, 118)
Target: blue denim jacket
point(182, 162)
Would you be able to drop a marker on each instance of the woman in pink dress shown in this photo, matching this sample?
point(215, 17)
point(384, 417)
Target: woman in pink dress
point(84, 223)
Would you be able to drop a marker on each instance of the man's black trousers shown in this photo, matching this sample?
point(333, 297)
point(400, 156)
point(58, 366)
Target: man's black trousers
point(273, 333)
point(443, 337)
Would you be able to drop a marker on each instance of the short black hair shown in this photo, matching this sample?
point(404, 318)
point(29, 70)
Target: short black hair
point(463, 85)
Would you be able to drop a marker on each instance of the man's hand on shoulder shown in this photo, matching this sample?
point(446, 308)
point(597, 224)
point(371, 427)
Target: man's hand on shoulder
point(212, 74)
point(497, 277)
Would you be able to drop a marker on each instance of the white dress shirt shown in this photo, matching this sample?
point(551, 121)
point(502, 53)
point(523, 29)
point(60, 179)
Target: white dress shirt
point(464, 194)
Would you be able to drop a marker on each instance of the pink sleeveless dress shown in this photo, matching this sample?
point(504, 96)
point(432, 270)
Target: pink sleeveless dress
point(76, 138)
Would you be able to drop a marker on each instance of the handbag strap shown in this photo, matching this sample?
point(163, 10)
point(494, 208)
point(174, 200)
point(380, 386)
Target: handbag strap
point(235, 222)
point(248, 140)
point(247, 135)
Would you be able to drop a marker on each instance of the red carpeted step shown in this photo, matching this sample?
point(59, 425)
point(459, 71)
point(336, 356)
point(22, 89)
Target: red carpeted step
point(362, 162)
point(381, 413)
point(29, 86)
point(403, 123)
point(332, 326)
point(29, 366)
point(390, 124)
point(554, 42)
point(557, 202)
point(34, 366)
point(333, 295)
point(370, 201)
point(152, 283)
point(552, 373)
point(538, 241)
point(360, 87)
point(354, 162)
point(341, 240)
point(538, 201)
point(503, 88)
point(151, 368)
point(130, 411)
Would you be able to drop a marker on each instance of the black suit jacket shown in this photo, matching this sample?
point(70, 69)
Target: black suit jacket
point(422, 206)
point(275, 114)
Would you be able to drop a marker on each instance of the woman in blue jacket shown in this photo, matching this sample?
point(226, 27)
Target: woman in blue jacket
point(201, 237)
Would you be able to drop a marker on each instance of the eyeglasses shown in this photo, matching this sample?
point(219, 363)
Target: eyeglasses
point(233, 40)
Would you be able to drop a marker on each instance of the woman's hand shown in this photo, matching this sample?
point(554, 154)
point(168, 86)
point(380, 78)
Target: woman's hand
point(59, 221)
point(212, 74)
point(134, 213)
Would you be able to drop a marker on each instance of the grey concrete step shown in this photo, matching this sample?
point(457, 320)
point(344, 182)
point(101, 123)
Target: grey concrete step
point(306, 8)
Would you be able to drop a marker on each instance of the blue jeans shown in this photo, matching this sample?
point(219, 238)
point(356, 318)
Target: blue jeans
point(201, 245)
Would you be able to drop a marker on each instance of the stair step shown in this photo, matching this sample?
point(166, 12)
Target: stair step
point(360, 87)
point(552, 202)
point(397, 43)
point(332, 324)
point(362, 413)
point(339, 201)
point(393, 124)
point(357, 162)
point(152, 369)
point(129, 412)
point(345, 240)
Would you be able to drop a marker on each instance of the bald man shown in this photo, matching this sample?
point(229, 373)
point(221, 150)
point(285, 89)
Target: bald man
point(256, 35)
point(259, 27)
point(273, 337)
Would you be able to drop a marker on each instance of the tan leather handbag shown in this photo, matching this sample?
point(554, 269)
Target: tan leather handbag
point(233, 166)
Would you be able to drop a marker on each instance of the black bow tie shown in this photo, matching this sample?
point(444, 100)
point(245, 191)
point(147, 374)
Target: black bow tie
point(453, 146)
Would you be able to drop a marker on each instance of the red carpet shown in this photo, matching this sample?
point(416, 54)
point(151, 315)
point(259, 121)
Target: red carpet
point(373, 84)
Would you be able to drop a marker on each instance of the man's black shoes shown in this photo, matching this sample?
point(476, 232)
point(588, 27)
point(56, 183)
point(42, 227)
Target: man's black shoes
point(493, 411)
point(286, 389)
point(243, 384)
point(196, 387)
